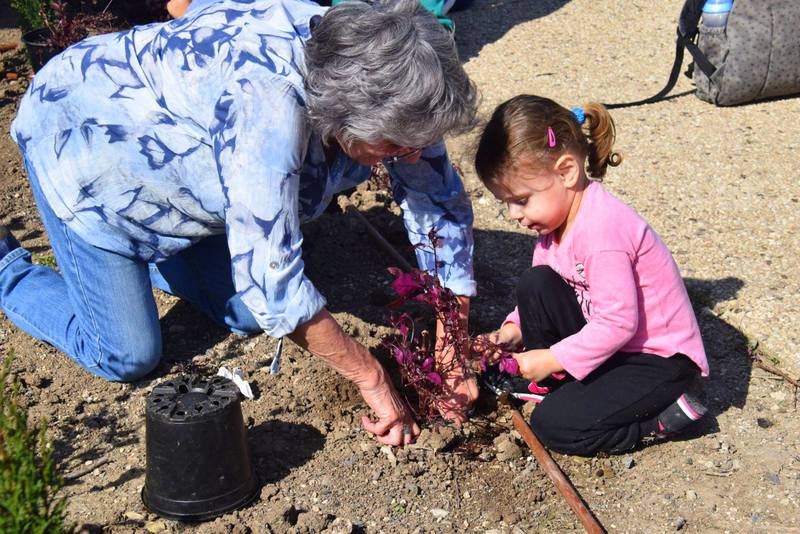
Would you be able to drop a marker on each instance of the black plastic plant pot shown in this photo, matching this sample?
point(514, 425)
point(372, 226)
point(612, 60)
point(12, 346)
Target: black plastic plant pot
point(198, 460)
point(40, 51)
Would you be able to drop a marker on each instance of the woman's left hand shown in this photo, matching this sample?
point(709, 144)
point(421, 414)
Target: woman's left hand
point(460, 381)
point(537, 364)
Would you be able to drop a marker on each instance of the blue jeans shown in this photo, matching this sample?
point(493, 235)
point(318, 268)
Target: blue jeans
point(100, 308)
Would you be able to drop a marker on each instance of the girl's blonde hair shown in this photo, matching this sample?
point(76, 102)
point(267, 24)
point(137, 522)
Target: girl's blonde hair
point(518, 134)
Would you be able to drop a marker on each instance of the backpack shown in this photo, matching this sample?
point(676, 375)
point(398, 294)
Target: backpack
point(755, 56)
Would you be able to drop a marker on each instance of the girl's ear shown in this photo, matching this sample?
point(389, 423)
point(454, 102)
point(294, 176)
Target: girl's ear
point(569, 169)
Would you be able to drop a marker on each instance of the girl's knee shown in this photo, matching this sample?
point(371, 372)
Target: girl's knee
point(537, 278)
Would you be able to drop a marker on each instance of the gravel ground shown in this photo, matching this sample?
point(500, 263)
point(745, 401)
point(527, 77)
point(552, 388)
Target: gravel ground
point(738, 470)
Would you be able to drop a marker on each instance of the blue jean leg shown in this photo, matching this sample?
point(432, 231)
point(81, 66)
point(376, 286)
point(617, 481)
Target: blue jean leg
point(201, 274)
point(99, 309)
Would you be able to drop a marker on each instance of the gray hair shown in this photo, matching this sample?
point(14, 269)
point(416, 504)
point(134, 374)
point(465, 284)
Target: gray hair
point(386, 71)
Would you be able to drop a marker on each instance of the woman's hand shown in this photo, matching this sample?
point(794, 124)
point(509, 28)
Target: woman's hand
point(323, 337)
point(394, 426)
point(537, 364)
point(460, 381)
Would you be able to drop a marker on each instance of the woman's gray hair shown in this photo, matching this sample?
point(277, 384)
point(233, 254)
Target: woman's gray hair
point(386, 71)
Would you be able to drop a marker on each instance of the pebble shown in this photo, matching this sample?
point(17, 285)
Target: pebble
point(691, 495)
point(778, 395)
point(439, 513)
point(377, 474)
point(772, 477)
point(340, 525)
point(155, 526)
point(494, 516)
point(387, 450)
point(351, 461)
point(628, 462)
point(679, 523)
point(134, 516)
point(763, 422)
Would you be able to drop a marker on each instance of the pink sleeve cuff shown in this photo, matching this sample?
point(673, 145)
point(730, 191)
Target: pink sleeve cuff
point(512, 317)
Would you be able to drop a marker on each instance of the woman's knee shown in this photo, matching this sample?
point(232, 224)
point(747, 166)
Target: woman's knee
point(239, 319)
point(132, 362)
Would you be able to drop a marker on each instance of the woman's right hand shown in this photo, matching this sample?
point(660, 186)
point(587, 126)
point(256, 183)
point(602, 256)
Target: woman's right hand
point(323, 337)
point(395, 425)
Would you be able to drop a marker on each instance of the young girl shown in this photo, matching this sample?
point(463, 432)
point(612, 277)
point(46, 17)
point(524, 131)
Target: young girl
point(604, 306)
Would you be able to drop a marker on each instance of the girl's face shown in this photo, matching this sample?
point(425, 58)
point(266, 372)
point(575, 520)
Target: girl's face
point(541, 200)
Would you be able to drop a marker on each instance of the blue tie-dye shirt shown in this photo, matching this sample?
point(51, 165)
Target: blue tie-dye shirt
point(149, 140)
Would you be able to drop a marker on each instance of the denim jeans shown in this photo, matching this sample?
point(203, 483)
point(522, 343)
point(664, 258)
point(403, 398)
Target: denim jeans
point(99, 309)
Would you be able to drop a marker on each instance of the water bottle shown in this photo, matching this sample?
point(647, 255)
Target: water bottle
point(715, 13)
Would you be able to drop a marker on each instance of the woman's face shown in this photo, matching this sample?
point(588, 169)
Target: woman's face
point(373, 153)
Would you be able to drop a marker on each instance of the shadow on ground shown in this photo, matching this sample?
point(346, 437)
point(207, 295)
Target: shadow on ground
point(278, 447)
point(486, 21)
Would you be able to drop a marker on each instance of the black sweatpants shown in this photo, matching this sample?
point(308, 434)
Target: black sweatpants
point(616, 405)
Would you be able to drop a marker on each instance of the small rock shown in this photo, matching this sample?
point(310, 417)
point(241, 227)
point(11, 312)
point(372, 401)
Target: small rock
point(387, 450)
point(155, 526)
point(763, 422)
point(438, 440)
point(134, 516)
point(377, 474)
point(628, 462)
point(779, 396)
point(507, 448)
point(351, 461)
point(756, 517)
point(493, 516)
point(512, 518)
point(772, 477)
point(412, 488)
point(439, 513)
point(691, 495)
point(340, 525)
point(679, 523)
point(689, 461)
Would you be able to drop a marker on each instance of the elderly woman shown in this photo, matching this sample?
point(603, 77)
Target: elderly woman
point(186, 155)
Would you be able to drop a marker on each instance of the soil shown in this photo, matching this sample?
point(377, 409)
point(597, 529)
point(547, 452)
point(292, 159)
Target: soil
point(737, 470)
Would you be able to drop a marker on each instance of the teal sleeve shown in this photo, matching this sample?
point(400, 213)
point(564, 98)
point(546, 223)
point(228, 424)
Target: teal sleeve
point(434, 6)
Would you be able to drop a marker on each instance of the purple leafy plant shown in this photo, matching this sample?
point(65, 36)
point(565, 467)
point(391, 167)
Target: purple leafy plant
point(414, 348)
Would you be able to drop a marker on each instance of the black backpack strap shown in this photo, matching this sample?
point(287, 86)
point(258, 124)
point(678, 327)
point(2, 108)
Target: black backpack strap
point(687, 34)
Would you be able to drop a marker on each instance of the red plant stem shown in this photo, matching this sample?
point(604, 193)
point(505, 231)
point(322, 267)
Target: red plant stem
point(560, 480)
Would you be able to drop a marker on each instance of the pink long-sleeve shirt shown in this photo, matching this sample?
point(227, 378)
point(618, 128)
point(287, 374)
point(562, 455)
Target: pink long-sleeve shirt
point(627, 283)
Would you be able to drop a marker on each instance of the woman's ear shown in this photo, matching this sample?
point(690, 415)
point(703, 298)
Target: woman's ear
point(569, 169)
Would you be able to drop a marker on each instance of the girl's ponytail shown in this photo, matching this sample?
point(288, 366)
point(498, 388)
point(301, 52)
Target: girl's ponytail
point(600, 133)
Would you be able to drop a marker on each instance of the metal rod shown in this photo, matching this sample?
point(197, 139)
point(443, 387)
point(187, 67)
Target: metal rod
point(349, 207)
point(557, 476)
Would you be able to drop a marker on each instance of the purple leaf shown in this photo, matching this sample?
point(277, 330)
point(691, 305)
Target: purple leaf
point(435, 378)
point(509, 365)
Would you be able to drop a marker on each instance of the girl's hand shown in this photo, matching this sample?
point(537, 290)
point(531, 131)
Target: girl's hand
point(507, 339)
point(537, 364)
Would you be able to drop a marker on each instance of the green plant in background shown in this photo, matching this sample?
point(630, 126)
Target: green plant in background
point(48, 260)
point(31, 13)
point(29, 481)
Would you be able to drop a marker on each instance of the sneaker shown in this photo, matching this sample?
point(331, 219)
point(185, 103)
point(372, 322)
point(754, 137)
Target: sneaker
point(499, 382)
point(680, 414)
